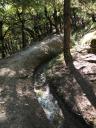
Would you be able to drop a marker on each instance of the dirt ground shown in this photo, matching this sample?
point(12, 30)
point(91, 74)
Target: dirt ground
point(60, 78)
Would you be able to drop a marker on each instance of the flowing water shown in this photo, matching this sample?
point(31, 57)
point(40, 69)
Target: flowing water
point(47, 101)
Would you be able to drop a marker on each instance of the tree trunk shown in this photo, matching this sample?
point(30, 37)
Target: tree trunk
point(22, 21)
point(22, 28)
point(48, 18)
point(23, 33)
point(56, 20)
point(2, 40)
point(67, 31)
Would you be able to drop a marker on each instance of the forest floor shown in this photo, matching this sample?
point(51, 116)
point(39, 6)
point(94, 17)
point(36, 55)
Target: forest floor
point(17, 105)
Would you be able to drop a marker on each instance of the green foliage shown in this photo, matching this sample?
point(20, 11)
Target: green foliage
point(27, 18)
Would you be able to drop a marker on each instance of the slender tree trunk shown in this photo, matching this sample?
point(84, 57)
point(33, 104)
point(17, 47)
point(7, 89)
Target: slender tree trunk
point(22, 29)
point(2, 39)
point(56, 20)
point(67, 31)
point(48, 18)
point(22, 21)
point(23, 34)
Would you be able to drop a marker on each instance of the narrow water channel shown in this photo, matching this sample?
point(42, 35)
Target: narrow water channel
point(48, 103)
